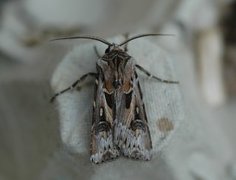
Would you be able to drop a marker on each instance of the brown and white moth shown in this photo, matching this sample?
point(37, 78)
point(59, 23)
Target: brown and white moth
point(119, 121)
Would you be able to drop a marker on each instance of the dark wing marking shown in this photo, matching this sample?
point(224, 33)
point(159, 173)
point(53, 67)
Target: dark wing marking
point(128, 99)
point(102, 147)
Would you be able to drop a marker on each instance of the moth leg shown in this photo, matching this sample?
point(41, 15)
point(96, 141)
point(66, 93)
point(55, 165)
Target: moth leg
point(96, 52)
point(81, 79)
point(154, 77)
point(126, 35)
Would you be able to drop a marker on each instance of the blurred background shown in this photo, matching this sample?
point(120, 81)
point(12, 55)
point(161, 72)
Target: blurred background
point(203, 51)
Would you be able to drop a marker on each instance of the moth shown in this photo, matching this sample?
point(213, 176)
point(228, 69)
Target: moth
point(119, 120)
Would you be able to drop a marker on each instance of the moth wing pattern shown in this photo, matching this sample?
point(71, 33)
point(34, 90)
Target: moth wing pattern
point(102, 147)
point(119, 121)
point(131, 131)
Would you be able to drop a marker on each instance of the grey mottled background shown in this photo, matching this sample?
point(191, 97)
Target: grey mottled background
point(33, 143)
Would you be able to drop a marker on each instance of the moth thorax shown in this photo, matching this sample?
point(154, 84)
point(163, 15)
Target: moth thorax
point(116, 83)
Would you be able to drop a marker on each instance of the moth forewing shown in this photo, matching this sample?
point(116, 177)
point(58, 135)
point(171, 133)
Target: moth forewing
point(102, 146)
point(131, 132)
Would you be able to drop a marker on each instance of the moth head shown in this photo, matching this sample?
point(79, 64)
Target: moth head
point(113, 47)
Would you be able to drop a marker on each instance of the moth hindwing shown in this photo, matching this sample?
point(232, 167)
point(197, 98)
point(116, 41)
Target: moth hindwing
point(119, 122)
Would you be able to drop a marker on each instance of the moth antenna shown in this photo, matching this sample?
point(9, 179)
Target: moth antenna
point(84, 37)
point(143, 35)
